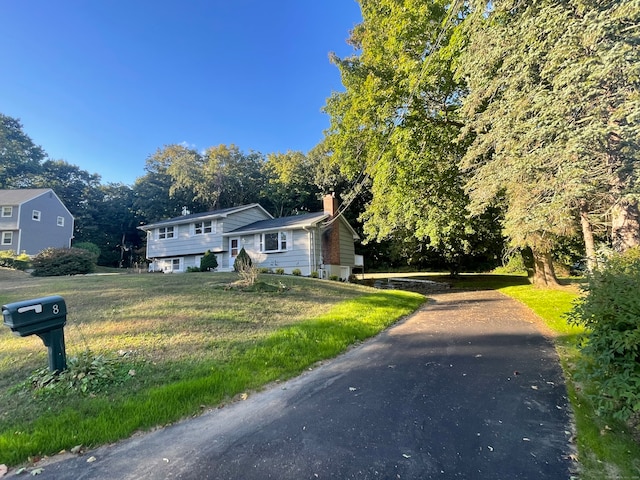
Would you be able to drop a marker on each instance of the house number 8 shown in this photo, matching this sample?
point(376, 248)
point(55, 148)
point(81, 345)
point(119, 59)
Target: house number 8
point(56, 309)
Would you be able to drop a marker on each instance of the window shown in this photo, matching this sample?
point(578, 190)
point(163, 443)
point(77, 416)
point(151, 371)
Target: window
point(7, 211)
point(165, 232)
point(234, 247)
point(60, 221)
point(7, 238)
point(36, 215)
point(175, 264)
point(273, 242)
point(203, 227)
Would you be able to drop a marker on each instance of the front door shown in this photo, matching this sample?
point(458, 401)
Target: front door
point(234, 248)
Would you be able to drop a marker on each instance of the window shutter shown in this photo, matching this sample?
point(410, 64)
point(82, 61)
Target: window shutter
point(289, 239)
point(256, 243)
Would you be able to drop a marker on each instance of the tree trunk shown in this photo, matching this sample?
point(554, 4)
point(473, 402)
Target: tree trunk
point(625, 225)
point(587, 234)
point(544, 274)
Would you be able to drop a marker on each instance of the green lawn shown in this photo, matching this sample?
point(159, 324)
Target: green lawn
point(165, 346)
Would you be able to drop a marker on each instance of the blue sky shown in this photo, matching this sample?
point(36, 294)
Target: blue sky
point(104, 84)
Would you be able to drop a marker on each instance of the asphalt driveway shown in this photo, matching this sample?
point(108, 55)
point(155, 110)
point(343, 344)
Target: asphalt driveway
point(466, 388)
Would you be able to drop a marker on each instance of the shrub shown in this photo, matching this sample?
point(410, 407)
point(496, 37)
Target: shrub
point(265, 270)
point(63, 261)
point(279, 271)
point(9, 259)
point(89, 247)
point(611, 351)
point(296, 271)
point(209, 262)
point(193, 269)
point(334, 278)
point(314, 274)
point(242, 258)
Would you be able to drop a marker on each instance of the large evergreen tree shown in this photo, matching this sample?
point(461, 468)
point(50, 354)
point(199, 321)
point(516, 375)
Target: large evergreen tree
point(552, 112)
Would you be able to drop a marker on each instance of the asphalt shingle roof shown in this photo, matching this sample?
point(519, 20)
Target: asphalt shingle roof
point(211, 214)
point(283, 222)
point(16, 197)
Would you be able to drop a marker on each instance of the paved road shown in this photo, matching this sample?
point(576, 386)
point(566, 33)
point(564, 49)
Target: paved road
point(466, 388)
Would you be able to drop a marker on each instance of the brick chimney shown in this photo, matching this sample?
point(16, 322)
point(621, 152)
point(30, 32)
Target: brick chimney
point(331, 236)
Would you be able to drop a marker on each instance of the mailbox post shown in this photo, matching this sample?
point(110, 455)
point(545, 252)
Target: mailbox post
point(44, 317)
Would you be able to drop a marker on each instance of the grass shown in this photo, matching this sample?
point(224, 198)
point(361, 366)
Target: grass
point(175, 344)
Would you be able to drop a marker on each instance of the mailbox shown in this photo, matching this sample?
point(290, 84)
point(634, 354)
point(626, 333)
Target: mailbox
point(35, 316)
point(45, 317)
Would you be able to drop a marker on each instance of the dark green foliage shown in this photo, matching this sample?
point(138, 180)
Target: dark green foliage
point(9, 259)
point(296, 271)
point(279, 271)
point(89, 247)
point(611, 313)
point(86, 374)
point(242, 260)
point(209, 262)
point(63, 261)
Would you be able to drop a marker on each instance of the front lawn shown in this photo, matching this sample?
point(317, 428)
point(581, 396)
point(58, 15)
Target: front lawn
point(155, 348)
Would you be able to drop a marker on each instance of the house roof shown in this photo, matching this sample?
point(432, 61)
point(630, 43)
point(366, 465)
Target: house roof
point(22, 195)
point(295, 221)
point(224, 212)
point(19, 196)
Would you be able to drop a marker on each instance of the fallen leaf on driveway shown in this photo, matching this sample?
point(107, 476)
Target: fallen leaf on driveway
point(37, 471)
point(3, 470)
point(352, 389)
point(91, 459)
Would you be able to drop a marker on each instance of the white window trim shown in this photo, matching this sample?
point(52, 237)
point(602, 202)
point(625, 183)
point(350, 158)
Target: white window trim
point(60, 221)
point(205, 224)
point(159, 235)
point(36, 215)
point(5, 236)
point(288, 241)
point(8, 209)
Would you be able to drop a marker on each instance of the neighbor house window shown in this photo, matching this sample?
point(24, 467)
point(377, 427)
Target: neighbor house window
point(175, 264)
point(7, 238)
point(273, 242)
point(60, 221)
point(7, 211)
point(203, 227)
point(36, 215)
point(165, 232)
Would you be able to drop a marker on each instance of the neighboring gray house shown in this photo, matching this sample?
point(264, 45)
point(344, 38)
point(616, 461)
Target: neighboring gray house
point(32, 220)
point(309, 242)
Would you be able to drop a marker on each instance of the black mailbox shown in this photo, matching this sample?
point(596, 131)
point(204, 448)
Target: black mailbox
point(45, 317)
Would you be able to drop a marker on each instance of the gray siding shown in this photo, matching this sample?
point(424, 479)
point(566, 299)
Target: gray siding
point(35, 236)
point(242, 219)
point(347, 251)
point(296, 257)
point(185, 242)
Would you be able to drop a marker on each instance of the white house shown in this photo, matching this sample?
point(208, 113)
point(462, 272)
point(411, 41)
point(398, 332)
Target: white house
point(32, 220)
point(311, 242)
